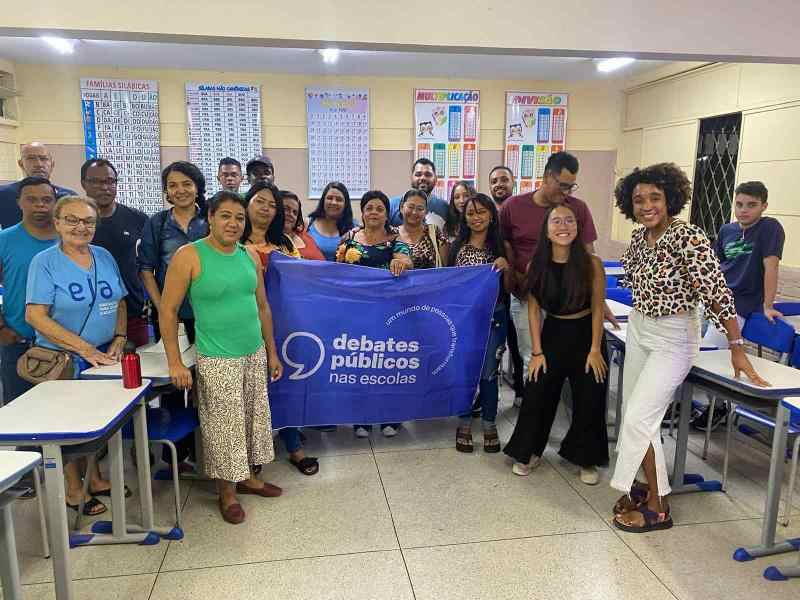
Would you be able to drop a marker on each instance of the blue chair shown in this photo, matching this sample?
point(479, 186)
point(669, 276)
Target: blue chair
point(790, 309)
point(611, 281)
point(621, 295)
point(164, 428)
point(612, 263)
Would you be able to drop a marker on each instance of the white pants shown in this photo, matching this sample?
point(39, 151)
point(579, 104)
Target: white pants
point(658, 356)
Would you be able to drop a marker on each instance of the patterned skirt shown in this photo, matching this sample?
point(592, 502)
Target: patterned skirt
point(235, 419)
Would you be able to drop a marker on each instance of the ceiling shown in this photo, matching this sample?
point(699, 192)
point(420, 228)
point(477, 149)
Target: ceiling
point(308, 62)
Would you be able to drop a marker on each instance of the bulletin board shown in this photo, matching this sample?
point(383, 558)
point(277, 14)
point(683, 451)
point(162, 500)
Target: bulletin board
point(447, 130)
point(536, 127)
point(121, 124)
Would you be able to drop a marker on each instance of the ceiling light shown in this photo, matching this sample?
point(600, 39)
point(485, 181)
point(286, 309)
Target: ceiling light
point(60, 45)
point(329, 55)
point(612, 64)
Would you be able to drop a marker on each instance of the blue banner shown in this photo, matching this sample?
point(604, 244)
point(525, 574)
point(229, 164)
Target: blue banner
point(359, 345)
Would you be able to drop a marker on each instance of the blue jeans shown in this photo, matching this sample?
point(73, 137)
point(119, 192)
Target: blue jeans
point(290, 436)
point(488, 386)
point(13, 385)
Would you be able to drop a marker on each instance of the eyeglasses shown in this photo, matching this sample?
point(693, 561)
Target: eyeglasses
point(568, 221)
point(566, 187)
point(103, 181)
point(73, 221)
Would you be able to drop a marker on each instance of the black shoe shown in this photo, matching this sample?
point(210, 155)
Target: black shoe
point(700, 420)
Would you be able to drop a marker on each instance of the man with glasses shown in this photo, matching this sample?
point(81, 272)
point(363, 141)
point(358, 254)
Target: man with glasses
point(521, 219)
point(35, 161)
point(18, 245)
point(119, 229)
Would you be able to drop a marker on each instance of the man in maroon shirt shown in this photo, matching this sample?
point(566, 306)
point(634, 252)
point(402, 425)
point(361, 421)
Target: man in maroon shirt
point(521, 219)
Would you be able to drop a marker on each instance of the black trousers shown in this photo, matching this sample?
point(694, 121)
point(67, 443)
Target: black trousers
point(516, 358)
point(566, 344)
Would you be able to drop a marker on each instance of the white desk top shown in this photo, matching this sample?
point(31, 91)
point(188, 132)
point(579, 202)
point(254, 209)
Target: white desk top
point(621, 334)
point(13, 465)
point(154, 366)
point(74, 410)
point(615, 271)
point(716, 365)
point(619, 309)
point(794, 321)
point(792, 404)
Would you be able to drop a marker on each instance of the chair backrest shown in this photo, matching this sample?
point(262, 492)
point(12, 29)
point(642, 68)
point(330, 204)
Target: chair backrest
point(622, 295)
point(789, 309)
point(611, 281)
point(778, 336)
point(795, 359)
point(612, 263)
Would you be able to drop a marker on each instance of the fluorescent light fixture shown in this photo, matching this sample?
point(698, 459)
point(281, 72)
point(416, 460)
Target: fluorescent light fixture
point(612, 64)
point(60, 45)
point(329, 55)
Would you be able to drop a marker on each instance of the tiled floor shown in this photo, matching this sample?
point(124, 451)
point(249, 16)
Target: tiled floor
point(410, 518)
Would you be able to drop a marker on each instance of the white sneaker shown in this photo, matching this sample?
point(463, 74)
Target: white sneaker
point(389, 431)
point(589, 475)
point(522, 469)
point(361, 432)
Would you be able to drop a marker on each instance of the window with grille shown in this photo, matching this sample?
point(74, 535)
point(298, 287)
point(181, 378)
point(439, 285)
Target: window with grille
point(715, 172)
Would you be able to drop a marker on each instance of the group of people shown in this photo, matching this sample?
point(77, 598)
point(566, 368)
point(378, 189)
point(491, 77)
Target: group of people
point(85, 274)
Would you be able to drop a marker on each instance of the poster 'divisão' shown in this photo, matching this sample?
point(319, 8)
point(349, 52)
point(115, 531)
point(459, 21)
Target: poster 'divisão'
point(447, 127)
point(536, 127)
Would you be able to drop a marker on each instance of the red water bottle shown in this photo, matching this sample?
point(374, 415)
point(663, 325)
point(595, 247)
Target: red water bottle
point(131, 367)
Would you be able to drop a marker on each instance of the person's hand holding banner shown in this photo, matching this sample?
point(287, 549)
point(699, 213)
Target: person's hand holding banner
point(275, 367)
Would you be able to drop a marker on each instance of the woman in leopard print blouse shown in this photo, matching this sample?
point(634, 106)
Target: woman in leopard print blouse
point(671, 270)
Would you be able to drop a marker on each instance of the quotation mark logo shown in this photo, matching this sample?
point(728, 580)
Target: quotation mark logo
point(299, 372)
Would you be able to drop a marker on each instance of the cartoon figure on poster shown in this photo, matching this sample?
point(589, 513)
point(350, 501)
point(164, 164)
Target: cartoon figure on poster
point(515, 131)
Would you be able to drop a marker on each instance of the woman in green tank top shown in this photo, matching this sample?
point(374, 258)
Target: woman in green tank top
point(236, 351)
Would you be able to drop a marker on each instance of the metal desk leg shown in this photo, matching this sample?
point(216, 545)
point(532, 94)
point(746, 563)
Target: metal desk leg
point(683, 482)
point(57, 517)
point(768, 545)
point(9, 566)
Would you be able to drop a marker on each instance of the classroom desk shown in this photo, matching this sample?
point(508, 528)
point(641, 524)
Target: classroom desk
point(154, 366)
point(715, 367)
point(619, 310)
point(56, 414)
point(13, 466)
point(782, 573)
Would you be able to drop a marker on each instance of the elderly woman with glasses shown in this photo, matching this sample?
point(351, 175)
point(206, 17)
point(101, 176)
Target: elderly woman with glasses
point(75, 302)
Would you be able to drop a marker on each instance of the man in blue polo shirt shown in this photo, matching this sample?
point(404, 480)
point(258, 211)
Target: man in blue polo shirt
point(35, 161)
point(423, 177)
point(18, 245)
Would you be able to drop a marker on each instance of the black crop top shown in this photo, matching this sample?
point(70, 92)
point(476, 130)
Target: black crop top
point(555, 297)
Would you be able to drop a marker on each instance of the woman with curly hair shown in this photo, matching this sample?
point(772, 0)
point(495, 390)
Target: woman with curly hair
point(671, 269)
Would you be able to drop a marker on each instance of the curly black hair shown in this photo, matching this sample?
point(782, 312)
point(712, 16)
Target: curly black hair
point(667, 177)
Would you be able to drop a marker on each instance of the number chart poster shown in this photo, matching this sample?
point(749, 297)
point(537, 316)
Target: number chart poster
point(224, 120)
point(536, 127)
point(446, 128)
point(338, 139)
point(121, 124)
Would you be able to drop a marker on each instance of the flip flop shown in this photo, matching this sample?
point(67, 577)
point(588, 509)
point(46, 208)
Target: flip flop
point(89, 506)
point(653, 521)
point(308, 465)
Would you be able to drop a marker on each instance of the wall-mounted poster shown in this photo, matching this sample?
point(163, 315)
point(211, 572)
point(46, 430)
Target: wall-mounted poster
point(224, 119)
point(121, 124)
point(447, 128)
point(536, 127)
point(338, 139)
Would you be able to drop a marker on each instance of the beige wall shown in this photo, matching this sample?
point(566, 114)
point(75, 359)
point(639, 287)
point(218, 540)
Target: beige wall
point(661, 123)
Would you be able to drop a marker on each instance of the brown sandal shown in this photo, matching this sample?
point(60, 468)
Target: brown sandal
point(463, 440)
point(636, 498)
point(234, 514)
point(491, 443)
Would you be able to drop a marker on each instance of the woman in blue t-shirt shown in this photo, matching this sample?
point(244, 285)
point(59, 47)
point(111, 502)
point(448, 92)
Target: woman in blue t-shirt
point(75, 302)
point(332, 218)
